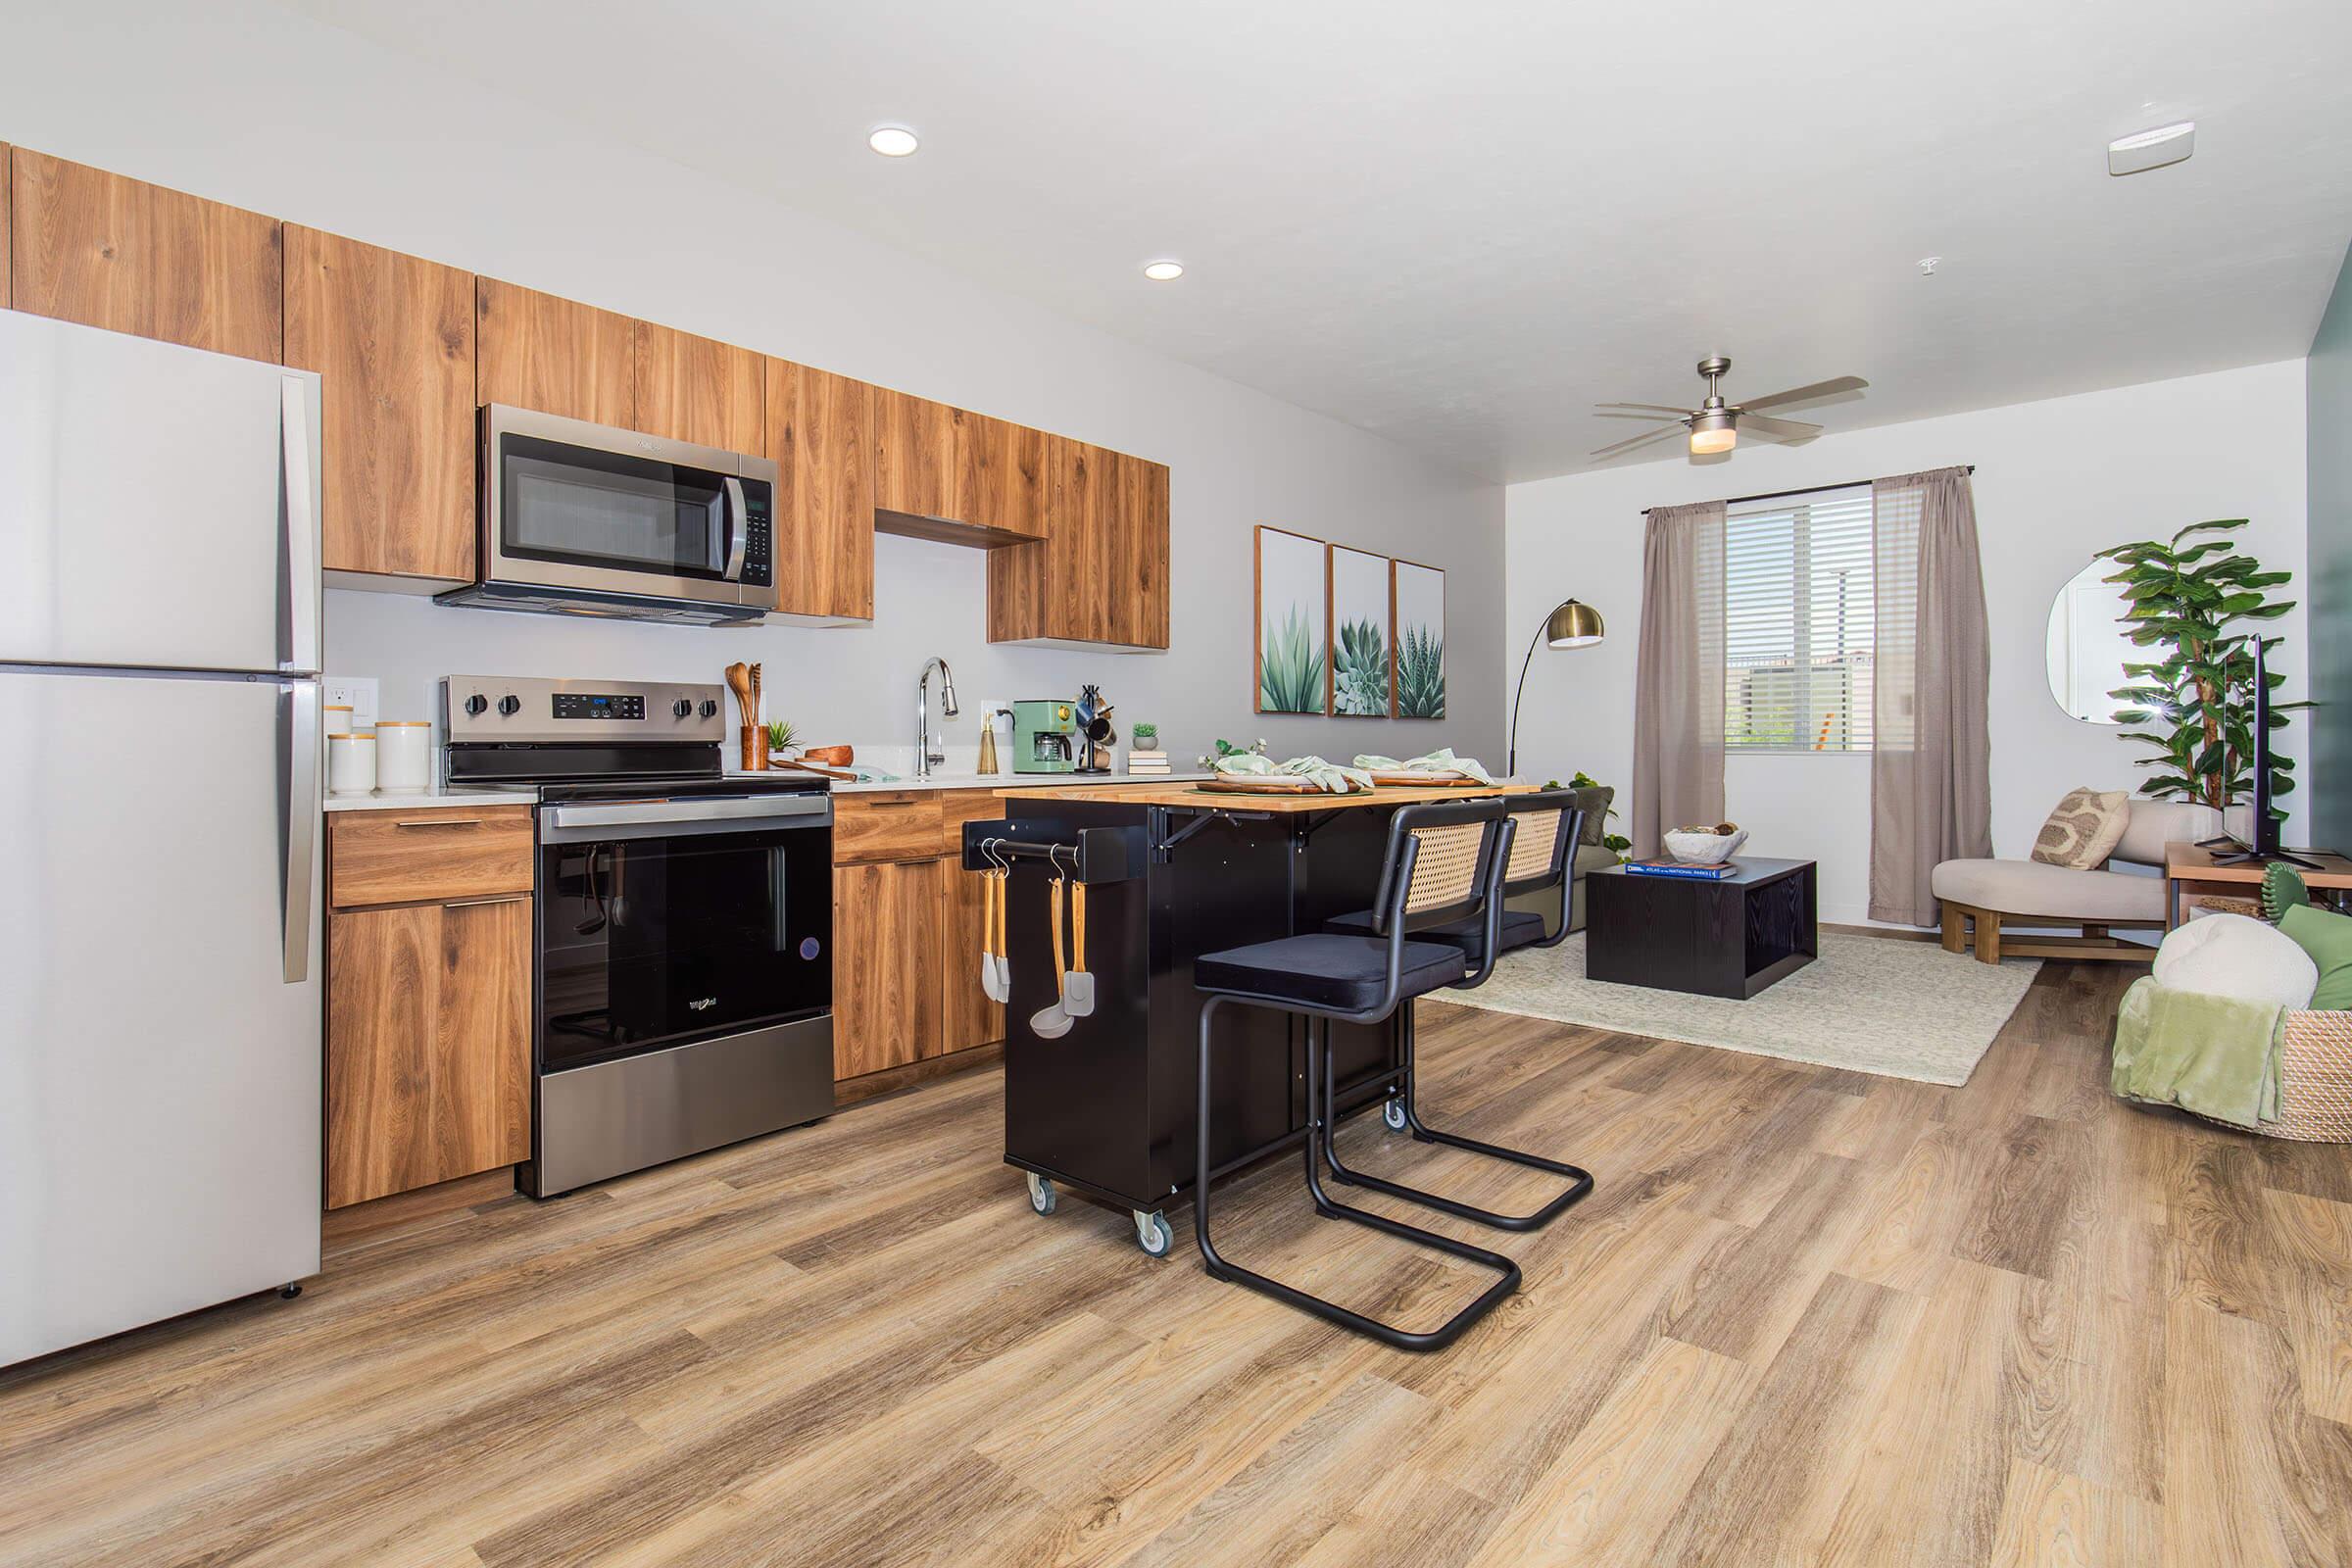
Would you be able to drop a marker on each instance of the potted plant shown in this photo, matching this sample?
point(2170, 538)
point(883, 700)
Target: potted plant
point(1145, 737)
point(783, 739)
point(1616, 844)
point(2183, 601)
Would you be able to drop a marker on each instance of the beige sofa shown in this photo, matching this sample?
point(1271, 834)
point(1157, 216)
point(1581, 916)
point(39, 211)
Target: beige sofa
point(1979, 896)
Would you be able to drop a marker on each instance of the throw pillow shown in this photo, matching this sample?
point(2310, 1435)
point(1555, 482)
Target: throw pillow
point(2236, 956)
point(2328, 938)
point(2083, 830)
point(2282, 891)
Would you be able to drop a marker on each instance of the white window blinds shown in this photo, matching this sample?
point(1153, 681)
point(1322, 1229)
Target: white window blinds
point(1797, 624)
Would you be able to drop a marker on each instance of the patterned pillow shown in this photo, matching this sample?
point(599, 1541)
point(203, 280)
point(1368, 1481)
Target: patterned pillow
point(2083, 830)
point(2282, 891)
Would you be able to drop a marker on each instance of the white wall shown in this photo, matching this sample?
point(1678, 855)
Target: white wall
point(2055, 481)
point(250, 104)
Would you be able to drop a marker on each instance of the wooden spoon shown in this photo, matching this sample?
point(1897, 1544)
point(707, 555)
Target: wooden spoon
point(739, 681)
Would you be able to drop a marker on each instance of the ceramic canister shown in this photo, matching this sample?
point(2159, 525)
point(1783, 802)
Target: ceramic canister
point(351, 763)
point(404, 756)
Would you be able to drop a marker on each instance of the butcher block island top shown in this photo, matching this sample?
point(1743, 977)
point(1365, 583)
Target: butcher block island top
point(1199, 800)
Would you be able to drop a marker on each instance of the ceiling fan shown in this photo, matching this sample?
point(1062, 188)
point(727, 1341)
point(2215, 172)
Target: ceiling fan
point(1715, 424)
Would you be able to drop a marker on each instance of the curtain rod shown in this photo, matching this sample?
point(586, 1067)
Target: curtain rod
point(1801, 490)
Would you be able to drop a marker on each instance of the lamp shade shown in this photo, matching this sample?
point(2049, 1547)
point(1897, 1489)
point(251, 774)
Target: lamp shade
point(1574, 624)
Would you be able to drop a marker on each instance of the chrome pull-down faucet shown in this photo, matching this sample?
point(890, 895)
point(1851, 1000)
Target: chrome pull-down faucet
point(925, 754)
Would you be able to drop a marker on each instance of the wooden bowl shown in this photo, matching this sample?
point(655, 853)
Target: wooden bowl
point(830, 756)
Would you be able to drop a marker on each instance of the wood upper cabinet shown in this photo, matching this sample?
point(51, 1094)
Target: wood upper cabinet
point(557, 356)
point(1000, 480)
point(1100, 575)
point(885, 943)
point(821, 436)
point(428, 1057)
point(392, 340)
point(918, 455)
point(92, 247)
point(5, 205)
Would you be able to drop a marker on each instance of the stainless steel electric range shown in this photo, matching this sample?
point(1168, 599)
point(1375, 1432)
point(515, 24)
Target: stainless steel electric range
point(682, 975)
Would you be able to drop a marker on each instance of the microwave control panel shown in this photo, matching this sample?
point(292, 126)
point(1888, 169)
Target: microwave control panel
point(759, 534)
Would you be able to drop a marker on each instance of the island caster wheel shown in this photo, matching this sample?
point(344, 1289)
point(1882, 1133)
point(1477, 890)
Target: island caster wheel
point(1152, 1233)
point(1041, 1192)
point(1393, 1113)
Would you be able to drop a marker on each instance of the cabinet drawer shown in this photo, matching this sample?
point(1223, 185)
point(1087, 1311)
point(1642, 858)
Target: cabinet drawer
point(887, 825)
point(407, 856)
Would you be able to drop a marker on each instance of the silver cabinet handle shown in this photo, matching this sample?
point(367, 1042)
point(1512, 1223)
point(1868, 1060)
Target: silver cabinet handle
point(440, 821)
point(475, 904)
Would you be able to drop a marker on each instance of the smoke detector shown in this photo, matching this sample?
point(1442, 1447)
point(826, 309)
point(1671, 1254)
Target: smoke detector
point(2152, 149)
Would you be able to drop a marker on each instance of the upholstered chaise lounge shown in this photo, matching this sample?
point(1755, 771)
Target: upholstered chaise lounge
point(1979, 896)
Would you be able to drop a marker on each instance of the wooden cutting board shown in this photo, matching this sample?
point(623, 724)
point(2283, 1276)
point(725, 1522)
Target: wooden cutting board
point(1261, 786)
point(1434, 781)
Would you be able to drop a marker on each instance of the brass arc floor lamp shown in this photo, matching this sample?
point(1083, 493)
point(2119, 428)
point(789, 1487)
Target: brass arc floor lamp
point(1571, 624)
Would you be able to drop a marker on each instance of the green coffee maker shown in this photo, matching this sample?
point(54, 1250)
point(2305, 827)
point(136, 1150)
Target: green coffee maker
point(1044, 736)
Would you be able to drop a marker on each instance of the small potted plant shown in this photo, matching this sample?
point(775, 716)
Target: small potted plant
point(783, 739)
point(1146, 737)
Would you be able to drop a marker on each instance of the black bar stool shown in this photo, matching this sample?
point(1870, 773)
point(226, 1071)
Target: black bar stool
point(1533, 856)
point(1444, 863)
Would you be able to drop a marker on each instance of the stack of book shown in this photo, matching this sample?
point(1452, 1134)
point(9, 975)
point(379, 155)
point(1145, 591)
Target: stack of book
point(1703, 874)
point(1148, 762)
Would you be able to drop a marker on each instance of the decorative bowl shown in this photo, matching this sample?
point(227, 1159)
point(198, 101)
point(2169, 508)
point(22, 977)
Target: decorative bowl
point(1703, 847)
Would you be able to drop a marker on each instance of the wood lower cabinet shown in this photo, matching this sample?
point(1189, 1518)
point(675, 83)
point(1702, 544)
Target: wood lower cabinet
point(92, 247)
point(820, 434)
point(968, 1018)
point(428, 1059)
point(886, 942)
point(392, 340)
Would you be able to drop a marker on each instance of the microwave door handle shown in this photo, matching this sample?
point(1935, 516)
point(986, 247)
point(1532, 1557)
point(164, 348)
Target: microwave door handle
point(739, 528)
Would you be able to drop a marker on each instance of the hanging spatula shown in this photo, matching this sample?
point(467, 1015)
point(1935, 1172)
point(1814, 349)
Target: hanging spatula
point(1078, 986)
point(995, 974)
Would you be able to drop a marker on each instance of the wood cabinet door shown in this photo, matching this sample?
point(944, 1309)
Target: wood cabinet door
point(5, 205)
point(1135, 531)
point(1078, 588)
point(428, 1045)
point(689, 388)
point(93, 247)
point(886, 942)
point(392, 340)
point(919, 455)
point(535, 351)
point(823, 443)
point(968, 1018)
point(1000, 476)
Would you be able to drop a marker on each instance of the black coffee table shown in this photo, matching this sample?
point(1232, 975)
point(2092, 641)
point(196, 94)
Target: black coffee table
point(1724, 938)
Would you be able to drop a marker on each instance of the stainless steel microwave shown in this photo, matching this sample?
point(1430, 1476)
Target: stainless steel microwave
point(580, 518)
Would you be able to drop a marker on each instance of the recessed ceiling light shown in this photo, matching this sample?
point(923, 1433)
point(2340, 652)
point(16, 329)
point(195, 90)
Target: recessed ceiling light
point(1164, 271)
point(893, 141)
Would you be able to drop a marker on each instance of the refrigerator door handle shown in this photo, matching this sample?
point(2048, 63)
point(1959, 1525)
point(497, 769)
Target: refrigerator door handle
point(298, 701)
point(302, 527)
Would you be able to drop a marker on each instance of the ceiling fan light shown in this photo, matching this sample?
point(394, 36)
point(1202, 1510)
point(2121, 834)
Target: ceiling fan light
point(1712, 432)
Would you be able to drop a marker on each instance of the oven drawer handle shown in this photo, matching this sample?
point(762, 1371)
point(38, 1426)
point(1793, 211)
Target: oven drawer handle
point(632, 814)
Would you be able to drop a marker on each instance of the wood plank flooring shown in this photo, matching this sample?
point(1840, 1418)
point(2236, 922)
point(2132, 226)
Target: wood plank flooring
point(1808, 1317)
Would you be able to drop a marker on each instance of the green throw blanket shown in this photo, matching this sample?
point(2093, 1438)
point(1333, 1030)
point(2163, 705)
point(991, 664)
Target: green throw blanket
point(1442, 762)
point(2215, 1055)
point(1330, 777)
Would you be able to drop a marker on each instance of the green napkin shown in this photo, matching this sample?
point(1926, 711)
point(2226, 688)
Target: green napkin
point(1441, 761)
point(2216, 1055)
point(1329, 777)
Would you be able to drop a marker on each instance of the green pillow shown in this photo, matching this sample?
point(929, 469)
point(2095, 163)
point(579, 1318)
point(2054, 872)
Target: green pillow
point(2328, 938)
point(2282, 891)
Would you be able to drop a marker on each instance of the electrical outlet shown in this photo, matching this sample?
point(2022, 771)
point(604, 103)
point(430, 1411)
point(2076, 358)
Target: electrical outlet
point(358, 691)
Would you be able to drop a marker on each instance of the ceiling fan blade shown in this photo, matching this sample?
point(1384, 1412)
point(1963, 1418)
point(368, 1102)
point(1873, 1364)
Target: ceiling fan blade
point(1805, 394)
point(1644, 440)
point(1671, 418)
point(1657, 408)
point(1777, 429)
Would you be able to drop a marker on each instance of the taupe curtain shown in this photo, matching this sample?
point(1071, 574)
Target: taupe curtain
point(1677, 684)
point(1931, 785)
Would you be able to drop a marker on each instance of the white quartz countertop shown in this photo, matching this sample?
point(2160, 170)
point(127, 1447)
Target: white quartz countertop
point(435, 800)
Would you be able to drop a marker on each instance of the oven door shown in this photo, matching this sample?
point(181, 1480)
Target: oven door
point(667, 923)
point(577, 505)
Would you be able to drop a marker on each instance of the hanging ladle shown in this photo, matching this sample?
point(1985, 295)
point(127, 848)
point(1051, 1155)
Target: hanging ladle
point(1052, 1020)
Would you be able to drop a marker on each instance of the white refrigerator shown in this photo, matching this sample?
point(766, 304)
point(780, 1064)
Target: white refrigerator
point(160, 756)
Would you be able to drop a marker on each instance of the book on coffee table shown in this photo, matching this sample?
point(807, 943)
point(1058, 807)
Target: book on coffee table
point(1699, 874)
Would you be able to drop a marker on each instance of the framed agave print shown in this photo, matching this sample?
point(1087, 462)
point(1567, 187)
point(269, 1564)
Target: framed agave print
point(1362, 659)
point(1294, 598)
point(1418, 609)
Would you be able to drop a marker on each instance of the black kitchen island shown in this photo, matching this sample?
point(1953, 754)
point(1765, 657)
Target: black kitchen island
point(1106, 1109)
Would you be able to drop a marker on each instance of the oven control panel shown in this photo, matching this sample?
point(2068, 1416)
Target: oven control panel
point(532, 709)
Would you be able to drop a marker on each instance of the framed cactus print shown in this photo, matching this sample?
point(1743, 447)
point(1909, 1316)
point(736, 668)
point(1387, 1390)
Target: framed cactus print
point(1361, 660)
point(1417, 611)
point(1293, 603)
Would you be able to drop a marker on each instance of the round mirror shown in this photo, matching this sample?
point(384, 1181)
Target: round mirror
point(2088, 644)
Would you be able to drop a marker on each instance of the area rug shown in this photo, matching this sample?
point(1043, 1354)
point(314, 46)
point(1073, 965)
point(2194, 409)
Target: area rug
point(1903, 1009)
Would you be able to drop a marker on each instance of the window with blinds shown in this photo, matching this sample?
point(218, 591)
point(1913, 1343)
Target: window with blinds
point(1797, 632)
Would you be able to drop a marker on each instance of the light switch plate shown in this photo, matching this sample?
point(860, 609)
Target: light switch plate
point(355, 691)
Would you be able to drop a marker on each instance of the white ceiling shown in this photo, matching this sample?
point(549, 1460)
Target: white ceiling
point(1459, 224)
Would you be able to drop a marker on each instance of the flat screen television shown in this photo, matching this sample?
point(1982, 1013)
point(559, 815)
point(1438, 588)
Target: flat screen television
point(2265, 845)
